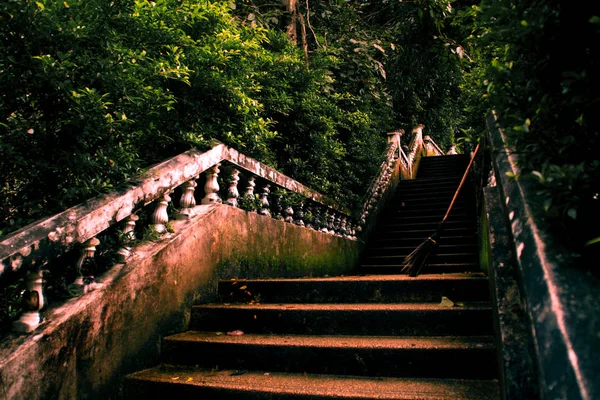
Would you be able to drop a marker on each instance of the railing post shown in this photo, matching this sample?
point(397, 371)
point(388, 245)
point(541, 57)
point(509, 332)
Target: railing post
point(127, 238)
point(32, 302)
point(299, 214)
point(288, 212)
point(87, 250)
point(211, 188)
point(232, 191)
point(264, 201)
point(277, 208)
point(160, 217)
point(187, 201)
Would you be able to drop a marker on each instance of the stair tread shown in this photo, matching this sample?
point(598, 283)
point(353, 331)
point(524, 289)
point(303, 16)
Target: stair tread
point(321, 386)
point(386, 257)
point(340, 341)
point(386, 278)
point(345, 306)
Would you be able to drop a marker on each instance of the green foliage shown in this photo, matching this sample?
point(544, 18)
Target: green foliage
point(546, 95)
point(249, 202)
point(92, 92)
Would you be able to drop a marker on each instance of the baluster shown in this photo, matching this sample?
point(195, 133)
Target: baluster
point(87, 250)
point(160, 218)
point(343, 228)
point(127, 238)
point(337, 225)
point(250, 187)
point(288, 213)
point(311, 221)
point(325, 221)
point(265, 201)
point(317, 217)
point(187, 201)
point(232, 191)
point(277, 209)
point(299, 214)
point(32, 301)
point(211, 188)
point(331, 222)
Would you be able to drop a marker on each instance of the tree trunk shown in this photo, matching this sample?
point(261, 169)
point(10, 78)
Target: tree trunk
point(291, 8)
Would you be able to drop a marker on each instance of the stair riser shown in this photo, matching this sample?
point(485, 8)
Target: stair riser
point(433, 259)
point(414, 291)
point(452, 321)
point(424, 363)
point(370, 269)
point(412, 226)
point(416, 240)
point(166, 390)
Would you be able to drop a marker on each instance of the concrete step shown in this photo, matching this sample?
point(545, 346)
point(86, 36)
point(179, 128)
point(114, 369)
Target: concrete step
point(428, 269)
point(434, 258)
point(189, 382)
point(411, 225)
point(409, 219)
point(358, 289)
point(387, 250)
point(423, 357)
point(415, 240)
point(420, 319)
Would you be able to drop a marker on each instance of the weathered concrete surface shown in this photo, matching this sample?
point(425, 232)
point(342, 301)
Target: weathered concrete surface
point(88, 345)
point(516, 362)
point(562, 299)
point(43, 240)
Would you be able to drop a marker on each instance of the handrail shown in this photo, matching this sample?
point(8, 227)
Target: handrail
point(36, 242)
point(33, 246)
point(397, 165)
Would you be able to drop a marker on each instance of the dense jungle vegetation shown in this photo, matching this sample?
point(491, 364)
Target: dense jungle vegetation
point(92, 92)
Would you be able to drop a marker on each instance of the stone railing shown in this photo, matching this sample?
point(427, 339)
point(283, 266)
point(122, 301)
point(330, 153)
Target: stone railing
point(27, 251)
point(398, 165)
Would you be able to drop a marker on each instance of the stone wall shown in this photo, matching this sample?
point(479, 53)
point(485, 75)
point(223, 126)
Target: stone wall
point(89, 344)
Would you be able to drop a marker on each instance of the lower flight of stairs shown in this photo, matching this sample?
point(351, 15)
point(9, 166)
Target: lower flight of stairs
point(361, 337)
point(356, 337)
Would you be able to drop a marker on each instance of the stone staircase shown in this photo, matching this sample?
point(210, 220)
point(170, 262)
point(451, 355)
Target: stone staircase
point(376, 336)
point(414, 214)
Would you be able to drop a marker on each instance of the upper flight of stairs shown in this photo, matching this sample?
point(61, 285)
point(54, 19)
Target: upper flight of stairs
point(414, 214)
point(356, 337)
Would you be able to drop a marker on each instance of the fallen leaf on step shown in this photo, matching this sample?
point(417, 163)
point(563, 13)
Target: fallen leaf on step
point(237, 373)
point(235, 333)
point(189, 379)
point(446, 302)
point(219, 333)
point(174, 379)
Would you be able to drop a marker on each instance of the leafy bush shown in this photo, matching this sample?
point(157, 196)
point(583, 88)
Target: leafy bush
point(92, 92)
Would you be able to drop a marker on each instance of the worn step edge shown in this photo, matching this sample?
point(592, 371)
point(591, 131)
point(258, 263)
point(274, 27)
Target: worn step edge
point(341, 341)
point(260, 385)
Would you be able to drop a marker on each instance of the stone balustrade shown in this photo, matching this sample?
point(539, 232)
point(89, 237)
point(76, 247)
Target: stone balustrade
point(264, 190)
point(27, 251)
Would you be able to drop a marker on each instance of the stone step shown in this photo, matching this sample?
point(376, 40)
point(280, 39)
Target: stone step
point(420, 319)
point(190, 382)
point(415, 240)
point(429, 268)
point(358, 289)
point(408, 219)
point(414, 207)
point(426, 232)
point(387, 249)
point(412, 225)
point(434, 258)
point(423, 357)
